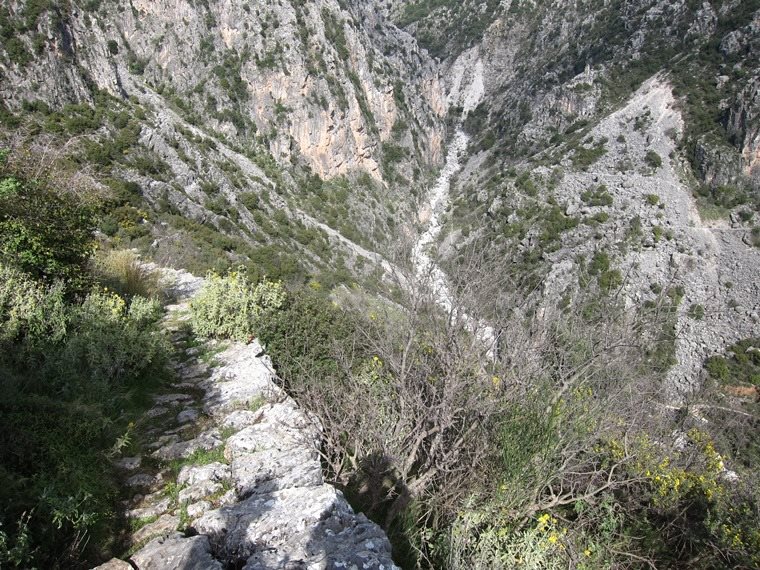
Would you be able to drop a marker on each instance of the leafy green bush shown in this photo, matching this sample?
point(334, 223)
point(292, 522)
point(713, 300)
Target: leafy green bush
point(717, 368)
point(231, 307)
point(597, 197)
point(68, 373)
point(43, 231)
point(301, 335)
point(741, 363)
point(110, 346)
point(610, 280)
point(584, 157)
point(76, 364)
point(29, 310)
point(653, 159)
point(696, 312)
point(52, 470)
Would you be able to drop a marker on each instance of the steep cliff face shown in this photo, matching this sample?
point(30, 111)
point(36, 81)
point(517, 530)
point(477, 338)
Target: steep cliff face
point(302, 75)
point(550, 65)
point(249, 119)
point(580, 179)
point(329, 118)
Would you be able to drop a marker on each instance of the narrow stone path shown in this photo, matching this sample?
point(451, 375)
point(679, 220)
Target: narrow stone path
point(230, 474)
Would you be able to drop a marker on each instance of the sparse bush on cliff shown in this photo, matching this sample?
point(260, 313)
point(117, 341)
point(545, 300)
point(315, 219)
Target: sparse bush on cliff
point(653, 159)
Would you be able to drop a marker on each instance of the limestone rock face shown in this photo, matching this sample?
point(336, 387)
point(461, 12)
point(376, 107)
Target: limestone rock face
point(114, 564)
point(325, 533)
point(744, 123)
point(177, 552)
point(305, 75)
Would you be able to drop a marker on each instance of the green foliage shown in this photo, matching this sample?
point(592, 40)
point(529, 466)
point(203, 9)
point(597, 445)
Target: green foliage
point(392, 154)
point(112, 344)
point(30, 310)
point(717, 367)
point(696, 312)
point(231, 307)
point(68, 373)
point(609, 279)
point(446, 27)
point(301, 335)
point(600, 263)
point(230, 80)
point(335, 34)
point(600, 196)
point(741, 364)
point(75, 364)
point(15, 550)
point(17, 52)
point(653, 159)
point(198, 457)
point(584, 157)
point(43, 231)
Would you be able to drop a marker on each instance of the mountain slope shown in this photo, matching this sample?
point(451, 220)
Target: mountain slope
point(519, 241)
point(235, 117)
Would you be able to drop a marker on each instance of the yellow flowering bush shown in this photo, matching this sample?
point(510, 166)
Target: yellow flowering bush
point(231, 307)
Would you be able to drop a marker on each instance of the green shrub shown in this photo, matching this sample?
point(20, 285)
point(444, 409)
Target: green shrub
point(29, 310)
point(301, 336)
point(584, 157)
point(740, 365)
point(697, 312)
point(717, 367)
point(610, 280)
point(653, 159)
point(70, 375)
point(109, 348)
point(52, 471)
point(597, 197)
point(599, 263)
point(43, 231)
point(653, 199)
point(231, 307)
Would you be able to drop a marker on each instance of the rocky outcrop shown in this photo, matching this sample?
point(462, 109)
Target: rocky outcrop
point(249, 491)
point(675, 247)
point(744, 125)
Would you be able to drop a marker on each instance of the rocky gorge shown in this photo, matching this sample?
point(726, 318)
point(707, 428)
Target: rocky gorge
point(517, 245)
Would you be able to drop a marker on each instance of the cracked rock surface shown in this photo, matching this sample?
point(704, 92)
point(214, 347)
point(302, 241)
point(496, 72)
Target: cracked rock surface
point(238, 482)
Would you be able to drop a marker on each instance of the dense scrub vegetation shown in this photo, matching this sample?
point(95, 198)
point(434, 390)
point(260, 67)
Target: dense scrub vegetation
point(76, 360)
point(559, 452)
